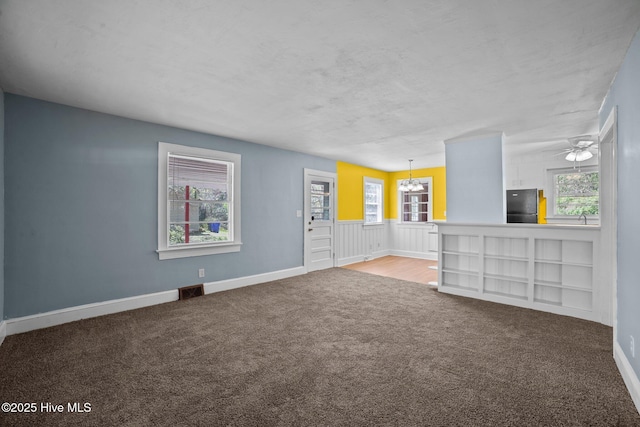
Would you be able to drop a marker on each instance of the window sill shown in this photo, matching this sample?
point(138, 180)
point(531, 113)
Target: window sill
point(591, 220)
point(372, 224)
point(185, 251)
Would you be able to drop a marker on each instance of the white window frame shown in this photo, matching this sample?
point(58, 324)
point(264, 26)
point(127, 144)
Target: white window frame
point(197, 249)
point(551, 190)
point(424, 180)
point(374, 181)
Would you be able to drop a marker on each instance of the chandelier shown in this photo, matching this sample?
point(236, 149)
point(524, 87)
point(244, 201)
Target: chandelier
point(410, 184)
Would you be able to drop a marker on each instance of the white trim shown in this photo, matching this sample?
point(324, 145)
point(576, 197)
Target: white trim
point(608, 148)
point(3, 331)
point(240, 282)
point(425, 180)
point(341, 262)
point(86, 311)
point(163, 250)
point(628, 374)
point(411, 254)
point(611, 269)
point(550, 191)
point(57, 317)
point(185, 252)
point(369, 180)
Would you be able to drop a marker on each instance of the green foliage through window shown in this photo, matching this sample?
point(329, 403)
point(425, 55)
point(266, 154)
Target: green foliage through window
point(577, 193)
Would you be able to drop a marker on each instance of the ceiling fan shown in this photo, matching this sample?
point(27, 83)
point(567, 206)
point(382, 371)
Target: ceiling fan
point(580, 149)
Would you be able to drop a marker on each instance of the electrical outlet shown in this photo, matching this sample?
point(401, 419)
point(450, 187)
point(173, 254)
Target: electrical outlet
point(201, 272)
point(632, 346)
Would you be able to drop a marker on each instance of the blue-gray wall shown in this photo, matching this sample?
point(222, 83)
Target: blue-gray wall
point(1, 205)
point(81, 208)
point(475, 183)
point(625, 94)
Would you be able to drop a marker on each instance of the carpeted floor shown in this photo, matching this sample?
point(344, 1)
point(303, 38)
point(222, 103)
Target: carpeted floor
point(334, 347)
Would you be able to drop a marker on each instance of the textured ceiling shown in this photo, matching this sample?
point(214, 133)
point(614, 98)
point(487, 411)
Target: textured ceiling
point(368, 82)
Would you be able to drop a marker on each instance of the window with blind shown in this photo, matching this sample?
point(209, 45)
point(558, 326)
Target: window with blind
point(198, 208)
point(416, 206)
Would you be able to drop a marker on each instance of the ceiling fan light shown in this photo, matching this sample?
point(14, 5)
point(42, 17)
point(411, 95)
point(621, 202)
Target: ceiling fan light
point(583, 155)
point(571, 157)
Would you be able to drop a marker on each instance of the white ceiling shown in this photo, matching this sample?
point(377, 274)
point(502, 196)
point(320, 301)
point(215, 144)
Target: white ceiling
point(368, 82)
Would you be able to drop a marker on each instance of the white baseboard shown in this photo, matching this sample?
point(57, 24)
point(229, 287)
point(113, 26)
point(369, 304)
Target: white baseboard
point(3, 331)
point(71, 314)
point(225, 285)
point(628, 374)
point(350, 260)
point(410, 254)
point(379, 254)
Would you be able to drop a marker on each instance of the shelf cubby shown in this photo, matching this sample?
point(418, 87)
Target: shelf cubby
point(510, 268)
point(547, 294)
point(506, 247)
point(505, 287)
point(454, 243)
point(457, 261)
point(461, 280)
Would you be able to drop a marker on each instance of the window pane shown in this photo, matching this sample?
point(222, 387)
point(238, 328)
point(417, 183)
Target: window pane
point(415, 206)
point(198, 191)
point(198, 232)
point(577, 193)
point(320, 201)
point(373, 202)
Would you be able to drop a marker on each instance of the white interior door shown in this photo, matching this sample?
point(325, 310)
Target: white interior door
point(319, 220)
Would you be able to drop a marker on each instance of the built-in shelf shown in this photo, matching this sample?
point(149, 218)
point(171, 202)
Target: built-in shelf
point(535, 268)
point(563, 273)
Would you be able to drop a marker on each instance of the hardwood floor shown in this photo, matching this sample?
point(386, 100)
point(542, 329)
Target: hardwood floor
point(411, 269)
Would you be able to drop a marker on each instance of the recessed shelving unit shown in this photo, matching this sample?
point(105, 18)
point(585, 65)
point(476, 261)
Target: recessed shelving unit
point(546, 268)
point(506, 266)
point(563, 274)
point(459, 259)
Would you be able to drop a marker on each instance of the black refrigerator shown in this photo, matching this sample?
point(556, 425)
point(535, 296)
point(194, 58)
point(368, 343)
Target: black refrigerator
point(522, 206)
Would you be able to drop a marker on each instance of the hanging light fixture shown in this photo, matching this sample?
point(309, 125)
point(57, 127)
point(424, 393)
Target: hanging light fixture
point(410, 184)
point(579, 156)
point(580, 149)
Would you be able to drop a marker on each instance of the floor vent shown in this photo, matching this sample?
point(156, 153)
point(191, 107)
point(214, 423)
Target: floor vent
point(187, 292)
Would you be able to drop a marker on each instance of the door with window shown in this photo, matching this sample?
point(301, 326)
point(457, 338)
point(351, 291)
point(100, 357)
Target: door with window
point(319, 221)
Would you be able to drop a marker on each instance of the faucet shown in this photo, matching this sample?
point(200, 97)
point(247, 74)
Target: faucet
point(585, 218)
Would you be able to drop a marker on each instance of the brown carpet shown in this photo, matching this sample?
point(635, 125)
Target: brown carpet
point(335, 347)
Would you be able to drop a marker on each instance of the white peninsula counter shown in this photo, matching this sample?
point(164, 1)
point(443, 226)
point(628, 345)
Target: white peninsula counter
point(553, 268)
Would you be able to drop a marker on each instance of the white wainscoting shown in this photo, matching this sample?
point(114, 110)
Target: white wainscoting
point(357, 242)
point(414, 240)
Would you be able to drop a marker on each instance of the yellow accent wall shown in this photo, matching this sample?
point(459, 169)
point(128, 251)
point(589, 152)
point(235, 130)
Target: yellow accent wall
point(351, 191)
point(542, 207)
